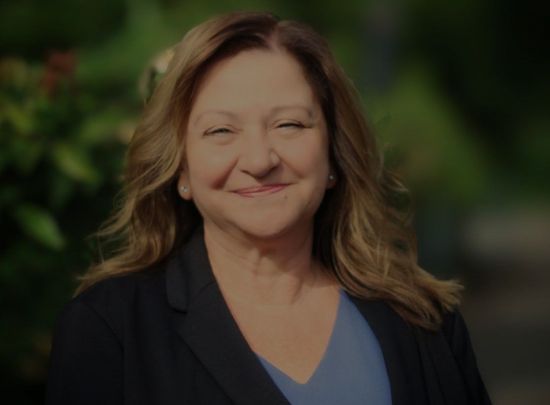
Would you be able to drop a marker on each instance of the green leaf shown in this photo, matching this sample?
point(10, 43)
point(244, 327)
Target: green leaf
point(15, 115)
point(39, 224)
point(101, 127)
point(74, 163)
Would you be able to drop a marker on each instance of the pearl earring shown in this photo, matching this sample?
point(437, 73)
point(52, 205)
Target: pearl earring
point(184, 189)
point(331, 177)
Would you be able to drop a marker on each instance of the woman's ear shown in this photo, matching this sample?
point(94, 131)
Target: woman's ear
point(331, 179)
point(184, 189)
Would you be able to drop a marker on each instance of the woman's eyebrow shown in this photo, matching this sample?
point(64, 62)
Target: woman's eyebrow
point(274, 110)
point(222, 112)
point(292, 107)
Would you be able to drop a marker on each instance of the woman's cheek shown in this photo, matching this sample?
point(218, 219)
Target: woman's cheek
point(306, 155)
point(212, 166)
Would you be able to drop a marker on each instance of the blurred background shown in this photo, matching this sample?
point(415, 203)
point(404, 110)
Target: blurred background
point(458, 92)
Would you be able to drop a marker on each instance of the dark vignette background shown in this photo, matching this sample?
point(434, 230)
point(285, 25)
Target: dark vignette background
point(457, 91)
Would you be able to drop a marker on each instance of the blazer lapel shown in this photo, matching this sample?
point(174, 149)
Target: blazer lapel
point(205, 323)
point(400, 351)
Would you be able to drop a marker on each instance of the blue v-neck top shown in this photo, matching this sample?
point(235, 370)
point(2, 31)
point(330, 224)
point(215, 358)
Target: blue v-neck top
point(351, 372)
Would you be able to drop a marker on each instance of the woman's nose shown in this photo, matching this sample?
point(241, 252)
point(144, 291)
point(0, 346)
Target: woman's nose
point(258, 157)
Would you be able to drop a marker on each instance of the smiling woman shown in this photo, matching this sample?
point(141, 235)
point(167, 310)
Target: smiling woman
point(271, 140)
point(263, 259)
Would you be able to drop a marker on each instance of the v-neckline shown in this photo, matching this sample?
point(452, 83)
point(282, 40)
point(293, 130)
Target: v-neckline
point(326, 352)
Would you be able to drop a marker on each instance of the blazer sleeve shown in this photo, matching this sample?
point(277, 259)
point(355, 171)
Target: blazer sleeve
point(85, 361)
point(458, 338)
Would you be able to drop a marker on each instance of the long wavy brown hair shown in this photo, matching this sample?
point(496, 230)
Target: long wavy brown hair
point(362, 232)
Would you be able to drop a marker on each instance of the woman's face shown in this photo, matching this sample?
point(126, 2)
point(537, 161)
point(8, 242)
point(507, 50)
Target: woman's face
point(256, 147)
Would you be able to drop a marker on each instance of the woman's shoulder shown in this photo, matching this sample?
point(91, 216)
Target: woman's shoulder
point(457, 334)
point(90, 335)
point(454, 328)
point(123, 286)
point(110, 301)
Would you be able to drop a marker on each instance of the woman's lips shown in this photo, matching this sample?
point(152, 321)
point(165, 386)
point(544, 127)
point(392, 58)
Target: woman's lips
point(260, 191)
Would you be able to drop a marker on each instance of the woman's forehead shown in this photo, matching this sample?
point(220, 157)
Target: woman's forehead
point(273, 81)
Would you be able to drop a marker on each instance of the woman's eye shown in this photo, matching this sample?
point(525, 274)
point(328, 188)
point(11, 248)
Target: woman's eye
point(219, 131)
point(291, 124)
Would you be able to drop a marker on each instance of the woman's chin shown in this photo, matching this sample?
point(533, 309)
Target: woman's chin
point(265, 231)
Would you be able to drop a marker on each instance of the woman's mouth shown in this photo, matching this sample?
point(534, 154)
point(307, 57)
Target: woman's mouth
point(260, 191)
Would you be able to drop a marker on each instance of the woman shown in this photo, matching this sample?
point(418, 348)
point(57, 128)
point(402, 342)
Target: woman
point(263, 258)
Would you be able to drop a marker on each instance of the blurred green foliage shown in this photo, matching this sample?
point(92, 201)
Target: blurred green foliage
point(458, 91)
point(60, 153)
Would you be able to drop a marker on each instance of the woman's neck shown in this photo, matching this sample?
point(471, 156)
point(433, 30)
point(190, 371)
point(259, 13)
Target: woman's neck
point(271, 276)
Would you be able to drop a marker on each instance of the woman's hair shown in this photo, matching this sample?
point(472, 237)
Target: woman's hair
point(362, 233)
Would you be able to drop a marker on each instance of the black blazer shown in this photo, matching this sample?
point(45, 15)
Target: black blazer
point(165, 336)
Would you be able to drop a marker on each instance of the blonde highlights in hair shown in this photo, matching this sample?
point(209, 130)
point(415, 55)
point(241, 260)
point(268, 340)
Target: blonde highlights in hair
point(361, 233)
